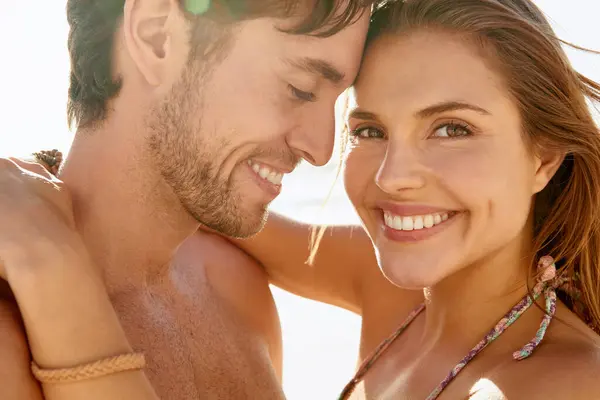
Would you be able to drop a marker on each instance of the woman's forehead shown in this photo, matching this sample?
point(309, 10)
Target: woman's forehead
point(423, 68)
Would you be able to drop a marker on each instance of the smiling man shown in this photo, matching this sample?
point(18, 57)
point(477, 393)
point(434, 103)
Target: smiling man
point(187, 118)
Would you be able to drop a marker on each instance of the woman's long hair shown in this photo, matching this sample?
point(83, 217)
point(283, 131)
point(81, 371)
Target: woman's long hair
point(554, 102)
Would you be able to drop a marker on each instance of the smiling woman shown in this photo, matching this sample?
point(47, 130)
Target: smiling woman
point(471, 159)
point(506, 159)
point(320, 342)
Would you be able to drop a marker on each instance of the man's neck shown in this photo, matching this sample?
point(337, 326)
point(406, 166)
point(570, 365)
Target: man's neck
point(129, 219)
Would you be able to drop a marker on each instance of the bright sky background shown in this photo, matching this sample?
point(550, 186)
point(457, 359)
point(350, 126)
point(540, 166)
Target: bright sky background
point(320, 341)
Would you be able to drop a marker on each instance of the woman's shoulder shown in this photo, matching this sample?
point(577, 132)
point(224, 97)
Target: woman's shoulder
point(566, 365)
point(564, 374)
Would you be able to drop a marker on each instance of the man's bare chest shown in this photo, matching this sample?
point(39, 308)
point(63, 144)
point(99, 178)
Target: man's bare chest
point(195, 344)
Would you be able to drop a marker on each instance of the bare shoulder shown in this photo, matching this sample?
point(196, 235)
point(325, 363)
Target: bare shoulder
point(231, 272)
point(573, 352)
point(567, 368)
point(242, 284)
point(15, 360)
point(575, 365)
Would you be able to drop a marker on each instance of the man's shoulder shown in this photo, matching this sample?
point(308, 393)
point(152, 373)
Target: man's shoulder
point(15, 373)
point(219, 257)
point(239, 281)
point(230, 272)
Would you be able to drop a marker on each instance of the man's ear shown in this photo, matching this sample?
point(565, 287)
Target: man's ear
point(151, 35)
point(547, 163)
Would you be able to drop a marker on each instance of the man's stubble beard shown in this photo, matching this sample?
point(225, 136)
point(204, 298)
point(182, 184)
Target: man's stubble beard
point(183, 154)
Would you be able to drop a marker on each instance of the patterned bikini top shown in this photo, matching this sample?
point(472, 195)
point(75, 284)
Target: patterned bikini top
point(546, 286)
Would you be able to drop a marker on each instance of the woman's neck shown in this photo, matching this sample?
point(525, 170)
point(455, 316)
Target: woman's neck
point(467, 304)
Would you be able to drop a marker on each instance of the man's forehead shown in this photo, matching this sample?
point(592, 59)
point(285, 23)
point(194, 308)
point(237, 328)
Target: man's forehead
point(336, 58)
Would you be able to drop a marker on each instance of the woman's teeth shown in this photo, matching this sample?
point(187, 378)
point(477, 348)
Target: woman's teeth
point(413, 223)
point(266, 173)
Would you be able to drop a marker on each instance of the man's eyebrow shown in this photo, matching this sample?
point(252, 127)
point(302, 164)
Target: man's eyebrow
point(318, 67)
point(450, 106)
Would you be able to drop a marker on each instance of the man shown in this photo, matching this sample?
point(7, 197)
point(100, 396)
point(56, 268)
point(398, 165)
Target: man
point(186, 116)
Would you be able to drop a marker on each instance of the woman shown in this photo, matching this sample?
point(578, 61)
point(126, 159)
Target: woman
point(472, 159)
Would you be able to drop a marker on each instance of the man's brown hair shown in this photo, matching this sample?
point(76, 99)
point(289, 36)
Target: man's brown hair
point(93, 24)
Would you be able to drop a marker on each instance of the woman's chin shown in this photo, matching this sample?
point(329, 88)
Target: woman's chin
point(413, 275)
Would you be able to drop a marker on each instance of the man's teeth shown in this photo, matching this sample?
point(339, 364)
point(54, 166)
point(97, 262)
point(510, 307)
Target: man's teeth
point(266, 173)
point(413, 223)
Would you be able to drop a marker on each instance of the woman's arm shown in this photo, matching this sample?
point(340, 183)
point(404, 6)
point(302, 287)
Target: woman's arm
point(68, 317)
point(345, 261)
point(69, 322)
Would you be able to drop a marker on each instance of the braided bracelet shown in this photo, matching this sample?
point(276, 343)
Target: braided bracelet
point(96, 369)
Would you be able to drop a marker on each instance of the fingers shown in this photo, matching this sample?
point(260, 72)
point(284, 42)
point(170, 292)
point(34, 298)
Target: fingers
point(7, 163)
point(14, 167)
point(37, 181)
point(34, 167)
point(31, 175)
point(35, 171)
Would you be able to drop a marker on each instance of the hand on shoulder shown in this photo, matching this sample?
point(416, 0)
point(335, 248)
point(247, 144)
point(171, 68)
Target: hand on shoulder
point(35, 215)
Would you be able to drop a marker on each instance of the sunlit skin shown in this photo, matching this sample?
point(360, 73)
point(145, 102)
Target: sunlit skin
point(274, 127)
point(440, 131)
point(245, 109)
point(433, 130)
point(269, 103)
point(433, 126)
point(179, 148)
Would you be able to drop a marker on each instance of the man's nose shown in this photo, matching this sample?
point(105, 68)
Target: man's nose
point(313, 140)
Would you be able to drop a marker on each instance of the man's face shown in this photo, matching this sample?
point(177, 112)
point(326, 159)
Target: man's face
point(227, 134)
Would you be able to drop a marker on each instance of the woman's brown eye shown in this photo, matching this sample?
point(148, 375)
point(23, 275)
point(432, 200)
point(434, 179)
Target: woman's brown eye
point(367, 133)
point(451, 131)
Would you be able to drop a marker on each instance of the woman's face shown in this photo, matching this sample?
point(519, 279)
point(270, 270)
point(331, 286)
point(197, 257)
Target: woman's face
point(438, 170)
